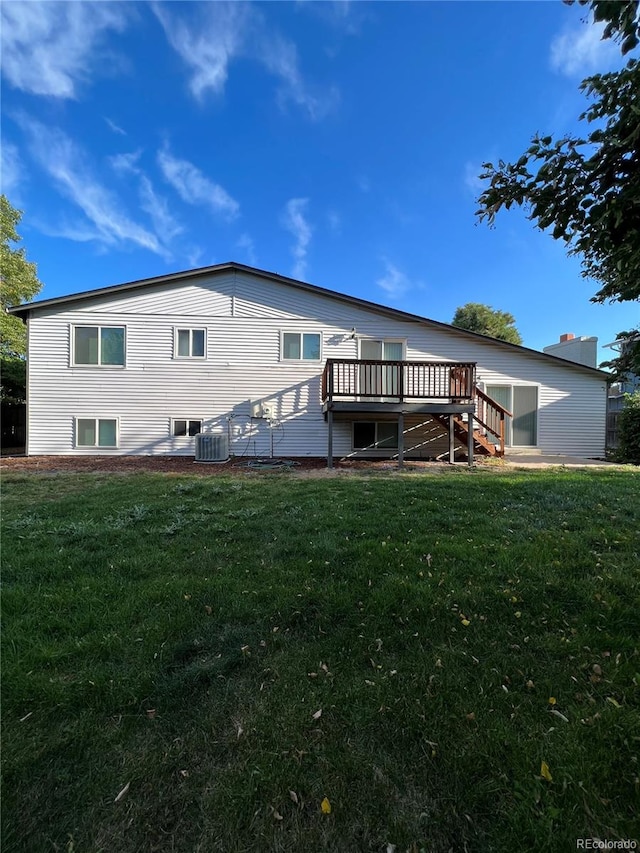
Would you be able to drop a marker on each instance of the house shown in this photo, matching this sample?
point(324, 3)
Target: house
point(274, 365)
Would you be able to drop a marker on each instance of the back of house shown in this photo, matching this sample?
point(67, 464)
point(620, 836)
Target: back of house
point(243, 354)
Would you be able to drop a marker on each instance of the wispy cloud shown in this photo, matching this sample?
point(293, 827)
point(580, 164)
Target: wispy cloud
point(580, 50)
point(12, 169)
point(280, 57)
point(472, 178)
point(194, 256)
point(209, 37)
point(208, 43)
point(164, 223)
point(64, 229)
point(151, 202)
point(344, 16)
point(115, 127)
point(127, 162)
point(194, 187)
point(67, 165)
point(295, 222)
point(335, 222)
point(50, 48)
point(246, 243)
point(394, 282)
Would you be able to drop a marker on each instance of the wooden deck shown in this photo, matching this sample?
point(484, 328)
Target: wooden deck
point(445, 390)
point(400, 382)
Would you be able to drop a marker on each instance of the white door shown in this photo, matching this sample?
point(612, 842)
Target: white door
point(522, 401)
point(380, 380)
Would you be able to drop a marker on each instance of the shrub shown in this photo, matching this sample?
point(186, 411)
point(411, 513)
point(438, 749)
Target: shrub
point(629, 430)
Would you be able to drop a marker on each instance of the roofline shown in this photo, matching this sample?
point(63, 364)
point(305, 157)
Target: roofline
point(24, 310)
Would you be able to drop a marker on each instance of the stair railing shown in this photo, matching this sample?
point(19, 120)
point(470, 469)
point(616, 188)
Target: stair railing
point(491, 415)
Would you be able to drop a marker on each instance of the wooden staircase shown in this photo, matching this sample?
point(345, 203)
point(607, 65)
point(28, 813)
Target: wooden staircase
point(489, 418)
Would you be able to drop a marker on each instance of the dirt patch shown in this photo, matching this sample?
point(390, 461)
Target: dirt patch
point(316, 467)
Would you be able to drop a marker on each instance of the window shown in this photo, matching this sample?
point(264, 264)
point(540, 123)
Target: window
point(189, 343)
point(380, 435)
point(96, 432)
point(387, 350)
point(100, 346)
point(185, 427)
point(301, 346)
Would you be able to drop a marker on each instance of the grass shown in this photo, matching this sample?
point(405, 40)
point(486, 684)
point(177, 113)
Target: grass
point(179, 636)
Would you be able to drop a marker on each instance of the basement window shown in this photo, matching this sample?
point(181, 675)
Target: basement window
point(181, 428)
point(96, 432)
point(375, 435)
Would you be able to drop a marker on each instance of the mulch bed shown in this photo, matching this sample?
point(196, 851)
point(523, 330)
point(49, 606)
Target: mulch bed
point(186, 465)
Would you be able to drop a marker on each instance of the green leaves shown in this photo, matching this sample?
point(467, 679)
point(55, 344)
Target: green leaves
point(622, 21)
point(587, 190)
point(485, 320)
point(19, 281)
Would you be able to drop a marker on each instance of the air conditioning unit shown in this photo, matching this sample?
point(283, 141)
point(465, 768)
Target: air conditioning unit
point(212, 447)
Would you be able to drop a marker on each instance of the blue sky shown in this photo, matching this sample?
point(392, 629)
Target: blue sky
point(338, 143)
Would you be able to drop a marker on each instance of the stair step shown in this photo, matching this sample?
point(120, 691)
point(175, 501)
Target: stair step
point(482, 445)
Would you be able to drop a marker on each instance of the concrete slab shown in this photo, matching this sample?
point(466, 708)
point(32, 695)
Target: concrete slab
point(554, 460)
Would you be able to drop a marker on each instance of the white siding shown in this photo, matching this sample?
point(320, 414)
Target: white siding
point(206, 296)
point(244, 316)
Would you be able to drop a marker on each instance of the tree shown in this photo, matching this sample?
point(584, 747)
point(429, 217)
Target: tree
point(586, 189)
point(14, 379)
point(621, 18)
point(629, 431)
point(485, 320)
point(19, 280)
point(20, 283)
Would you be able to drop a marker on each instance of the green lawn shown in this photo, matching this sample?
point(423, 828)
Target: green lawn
point(229, 652)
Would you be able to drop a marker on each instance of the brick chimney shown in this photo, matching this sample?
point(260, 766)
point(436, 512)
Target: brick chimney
point(568, 337)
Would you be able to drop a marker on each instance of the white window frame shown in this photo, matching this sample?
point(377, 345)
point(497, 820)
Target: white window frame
point(99, 326)
point(191, 330)
point(301, 334)
point(97, 433)
point(188, 421)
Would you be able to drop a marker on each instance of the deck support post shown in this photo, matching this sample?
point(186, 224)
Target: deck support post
point(330, 439)
point(470, 439)
point(452, 442)
point(400, 440)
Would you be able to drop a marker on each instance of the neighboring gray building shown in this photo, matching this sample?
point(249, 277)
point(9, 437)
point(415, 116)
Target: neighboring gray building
point(581, 350)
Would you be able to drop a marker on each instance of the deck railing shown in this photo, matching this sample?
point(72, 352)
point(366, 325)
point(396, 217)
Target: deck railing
point(398, 381)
